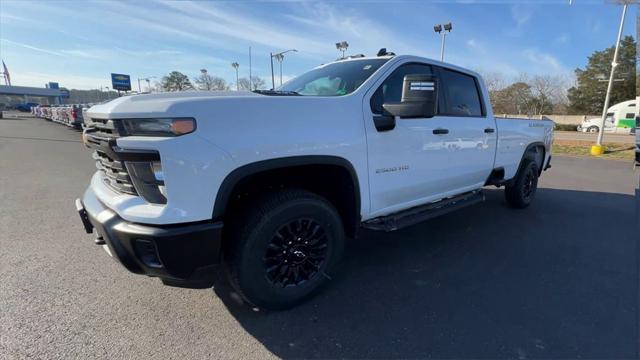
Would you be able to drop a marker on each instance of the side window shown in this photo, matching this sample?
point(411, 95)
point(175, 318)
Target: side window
point(391, 89)
point(630, 116)
point(461, 91)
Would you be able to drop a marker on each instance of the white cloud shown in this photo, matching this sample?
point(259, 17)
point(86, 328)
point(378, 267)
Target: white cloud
point(521, 14)
point(562, 39)
point(30, 47)
point(81, 54)
point(542, 62)
point(477, 47)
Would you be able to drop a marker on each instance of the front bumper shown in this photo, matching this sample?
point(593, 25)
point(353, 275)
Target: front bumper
point(185, 255)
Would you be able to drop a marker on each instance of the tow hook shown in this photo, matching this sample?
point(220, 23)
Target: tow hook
point(99, 240)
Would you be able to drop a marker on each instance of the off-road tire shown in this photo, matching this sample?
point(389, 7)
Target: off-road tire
point(253, 240)
point(521, 191)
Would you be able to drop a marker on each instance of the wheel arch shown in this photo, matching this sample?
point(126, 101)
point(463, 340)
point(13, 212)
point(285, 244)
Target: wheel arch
point(234, 181)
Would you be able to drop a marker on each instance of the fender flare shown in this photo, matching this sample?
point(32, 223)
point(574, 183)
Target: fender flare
point(234, 177)
point(526, 152)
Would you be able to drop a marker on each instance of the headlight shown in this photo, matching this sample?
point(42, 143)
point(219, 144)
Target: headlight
point(157, 127)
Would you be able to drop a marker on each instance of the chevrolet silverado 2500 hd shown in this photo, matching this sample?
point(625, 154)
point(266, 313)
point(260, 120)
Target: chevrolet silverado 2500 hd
point(270, 183)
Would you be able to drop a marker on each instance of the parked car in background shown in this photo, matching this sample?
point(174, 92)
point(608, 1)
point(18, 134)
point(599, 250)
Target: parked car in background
point(620, 118)
point(25, 107)
point(71, 115)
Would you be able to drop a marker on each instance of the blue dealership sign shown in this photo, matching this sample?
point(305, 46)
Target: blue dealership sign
point(120, 82)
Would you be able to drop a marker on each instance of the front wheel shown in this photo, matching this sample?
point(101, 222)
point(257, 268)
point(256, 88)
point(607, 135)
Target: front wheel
point(286, 249)
point(522, 189)
point(592, 129)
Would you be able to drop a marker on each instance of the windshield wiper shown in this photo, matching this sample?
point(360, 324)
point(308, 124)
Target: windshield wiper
point(277, 92)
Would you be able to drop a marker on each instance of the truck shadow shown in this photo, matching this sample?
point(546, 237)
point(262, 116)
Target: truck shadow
point(558, 279)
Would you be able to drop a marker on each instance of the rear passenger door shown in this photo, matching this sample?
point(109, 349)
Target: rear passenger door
point(473, 135)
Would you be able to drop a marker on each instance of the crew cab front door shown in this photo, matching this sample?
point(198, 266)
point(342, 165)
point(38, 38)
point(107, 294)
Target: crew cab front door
point(426, 159)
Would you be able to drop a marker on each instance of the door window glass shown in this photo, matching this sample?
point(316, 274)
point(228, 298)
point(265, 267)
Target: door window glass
point(391, 89)
point(463, 97)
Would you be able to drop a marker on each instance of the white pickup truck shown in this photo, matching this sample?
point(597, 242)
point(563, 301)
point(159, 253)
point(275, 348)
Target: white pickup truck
point(271, 183)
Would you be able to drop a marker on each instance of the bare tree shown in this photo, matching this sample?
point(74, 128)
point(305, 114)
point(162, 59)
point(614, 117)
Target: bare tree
point(210, 82)
point(255, 84)
point(494, 81)
point(244, 84)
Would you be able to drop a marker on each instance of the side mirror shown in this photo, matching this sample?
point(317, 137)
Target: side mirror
point(419, 97)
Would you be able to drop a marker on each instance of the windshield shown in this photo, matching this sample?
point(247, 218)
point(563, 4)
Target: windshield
point(335, 79)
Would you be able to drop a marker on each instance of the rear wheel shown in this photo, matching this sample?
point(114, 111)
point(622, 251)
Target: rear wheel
point(287, 248)
point(592, 129)
point(522, 190)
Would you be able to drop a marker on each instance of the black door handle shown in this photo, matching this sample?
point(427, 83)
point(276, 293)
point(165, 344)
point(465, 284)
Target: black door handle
point(440, 131)
point(489, 130)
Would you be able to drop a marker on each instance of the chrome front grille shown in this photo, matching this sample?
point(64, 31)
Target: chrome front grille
point(101, 135)
point(115, 173)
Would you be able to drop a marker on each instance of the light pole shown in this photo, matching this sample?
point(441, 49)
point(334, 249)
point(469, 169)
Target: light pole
point(342, 46)
point(148, 83)
point(235, 65)
point(598, 149)
point(147, 79)
point(108, 94)
point(279, 56)
point(439, 29)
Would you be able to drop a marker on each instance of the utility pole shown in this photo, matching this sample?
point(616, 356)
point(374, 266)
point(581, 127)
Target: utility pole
point(273, 80)
point(250, 79)
point(598, 149)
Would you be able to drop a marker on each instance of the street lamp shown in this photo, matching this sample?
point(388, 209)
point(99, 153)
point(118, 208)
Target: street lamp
point(148, 83)
point(439, 29)
point(342, 46)
point(235, 65)
point(279, 56)
point(598, 149)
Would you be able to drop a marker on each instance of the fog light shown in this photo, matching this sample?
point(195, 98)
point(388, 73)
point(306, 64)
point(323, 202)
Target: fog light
point(147, 253)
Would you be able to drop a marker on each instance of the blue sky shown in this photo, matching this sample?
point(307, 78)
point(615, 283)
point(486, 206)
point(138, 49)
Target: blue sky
point(79, 43)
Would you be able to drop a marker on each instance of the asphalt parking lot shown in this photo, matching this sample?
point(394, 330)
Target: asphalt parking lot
point(557, 280)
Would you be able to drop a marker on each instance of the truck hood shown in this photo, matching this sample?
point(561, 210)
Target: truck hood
point(160, 104)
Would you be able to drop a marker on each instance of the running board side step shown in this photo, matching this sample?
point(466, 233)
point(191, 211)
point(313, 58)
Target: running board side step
point(421, 213)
